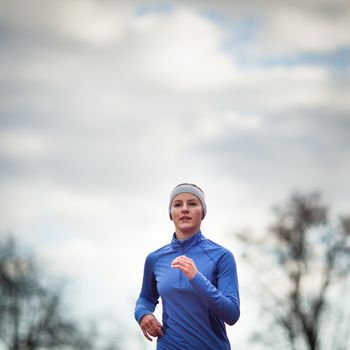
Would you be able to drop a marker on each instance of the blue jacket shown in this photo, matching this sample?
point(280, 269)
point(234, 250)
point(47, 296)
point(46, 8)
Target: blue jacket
point(194, 312)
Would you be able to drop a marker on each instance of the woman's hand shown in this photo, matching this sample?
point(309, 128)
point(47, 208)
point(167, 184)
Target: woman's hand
point(186, 265)
point(151, 326)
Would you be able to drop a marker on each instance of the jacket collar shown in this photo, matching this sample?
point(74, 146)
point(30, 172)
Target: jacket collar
point(186, 244)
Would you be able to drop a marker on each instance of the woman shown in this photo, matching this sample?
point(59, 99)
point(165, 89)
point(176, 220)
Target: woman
point(196, 279)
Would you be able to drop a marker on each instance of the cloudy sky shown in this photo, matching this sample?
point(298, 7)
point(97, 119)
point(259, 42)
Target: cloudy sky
point(106, 105)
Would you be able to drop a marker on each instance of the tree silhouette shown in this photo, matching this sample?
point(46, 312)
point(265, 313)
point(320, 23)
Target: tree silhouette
point(32, 314)
point(302, 265)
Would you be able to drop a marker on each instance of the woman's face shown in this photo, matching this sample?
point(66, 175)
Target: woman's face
point(187, 213)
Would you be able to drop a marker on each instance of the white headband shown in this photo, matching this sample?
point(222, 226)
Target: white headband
point(188, 188)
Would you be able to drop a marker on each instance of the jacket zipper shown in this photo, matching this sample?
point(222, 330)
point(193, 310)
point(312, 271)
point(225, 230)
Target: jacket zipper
point(180, 272)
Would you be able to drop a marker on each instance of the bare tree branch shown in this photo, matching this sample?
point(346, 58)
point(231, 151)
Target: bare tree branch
point(313, 254)
point(32, 314)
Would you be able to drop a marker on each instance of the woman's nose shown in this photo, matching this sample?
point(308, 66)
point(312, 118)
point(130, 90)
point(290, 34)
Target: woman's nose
point(185, 208)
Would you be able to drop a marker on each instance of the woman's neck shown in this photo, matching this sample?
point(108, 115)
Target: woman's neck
point(180, 235)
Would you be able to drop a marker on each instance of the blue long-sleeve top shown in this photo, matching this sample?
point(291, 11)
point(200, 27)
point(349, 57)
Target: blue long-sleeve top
point(194, 311)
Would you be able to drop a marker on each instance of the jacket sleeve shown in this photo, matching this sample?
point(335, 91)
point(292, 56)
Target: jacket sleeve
point(148, 298)
point(223, 301)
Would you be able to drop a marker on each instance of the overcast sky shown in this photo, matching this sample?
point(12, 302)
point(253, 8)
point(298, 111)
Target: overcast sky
point(107, 105)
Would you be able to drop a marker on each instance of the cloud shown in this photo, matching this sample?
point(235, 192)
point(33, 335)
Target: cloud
point(22, 144)
point(296, 87)
point(181, 51)
point(300, 151)
point(91, 119)
point(88, 22)
point(298, 29)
